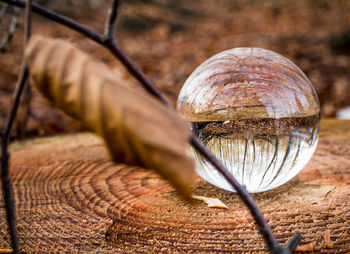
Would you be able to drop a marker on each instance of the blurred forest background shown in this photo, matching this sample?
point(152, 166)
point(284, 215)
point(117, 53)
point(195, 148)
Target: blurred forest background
point(168, 39)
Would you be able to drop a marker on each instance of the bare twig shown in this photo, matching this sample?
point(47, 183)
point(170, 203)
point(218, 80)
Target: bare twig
point(13, 23)
point(3, 11)
point(60, 19)
point(107, 40)
point(293, 243)
point(242, 193)
point(99, 38)
point(112, 17)
point(135, 71)
point(7, 190)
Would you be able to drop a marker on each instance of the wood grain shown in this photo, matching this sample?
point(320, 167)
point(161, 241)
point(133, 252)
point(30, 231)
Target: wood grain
point(71, 198)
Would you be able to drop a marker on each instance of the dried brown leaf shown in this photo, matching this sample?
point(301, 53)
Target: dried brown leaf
point(137, 129)
point(211, 202)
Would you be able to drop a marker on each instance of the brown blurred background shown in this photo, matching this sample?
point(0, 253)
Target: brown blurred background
point(168, 39)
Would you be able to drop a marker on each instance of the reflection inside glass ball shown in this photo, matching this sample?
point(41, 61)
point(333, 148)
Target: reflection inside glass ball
point(258, 114)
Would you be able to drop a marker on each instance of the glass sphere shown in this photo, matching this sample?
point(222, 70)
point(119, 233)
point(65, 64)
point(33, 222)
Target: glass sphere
point(257, 112)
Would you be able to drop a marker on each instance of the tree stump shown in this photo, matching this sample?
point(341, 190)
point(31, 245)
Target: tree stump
point(71, 198)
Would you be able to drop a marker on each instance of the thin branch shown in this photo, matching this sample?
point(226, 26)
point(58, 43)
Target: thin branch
point(293, 243)
point(97, 37)
point(28, 20)
point(135, 71)
point(112, 45)
point(11, 29)
point(22, 77)
point(242, 193)
point(59, 19)
point(112, 17)
point(7, 190)
point(3, 11)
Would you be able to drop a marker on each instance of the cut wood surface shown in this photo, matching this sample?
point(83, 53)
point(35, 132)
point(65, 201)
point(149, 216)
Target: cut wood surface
point(71, 198)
